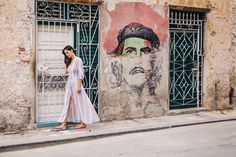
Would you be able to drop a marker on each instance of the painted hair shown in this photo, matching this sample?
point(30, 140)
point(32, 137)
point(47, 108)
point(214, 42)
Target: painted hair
point(67, 60)
point(135, 30)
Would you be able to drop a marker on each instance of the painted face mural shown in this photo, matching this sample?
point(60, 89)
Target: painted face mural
point(135, 52)
point(135, 64)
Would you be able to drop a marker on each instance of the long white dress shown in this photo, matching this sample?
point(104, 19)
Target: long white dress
point(77, 106)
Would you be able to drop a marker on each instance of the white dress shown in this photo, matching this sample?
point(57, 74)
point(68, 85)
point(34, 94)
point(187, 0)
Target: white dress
point(77, 106)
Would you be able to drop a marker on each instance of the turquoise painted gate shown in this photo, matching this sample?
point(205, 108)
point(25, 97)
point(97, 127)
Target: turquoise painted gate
point(186, 59)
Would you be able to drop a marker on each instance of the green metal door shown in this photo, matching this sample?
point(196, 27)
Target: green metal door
point(186, 58)
point(88, 50)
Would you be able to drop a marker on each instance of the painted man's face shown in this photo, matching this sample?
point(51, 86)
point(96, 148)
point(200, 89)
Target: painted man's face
point(135, 59)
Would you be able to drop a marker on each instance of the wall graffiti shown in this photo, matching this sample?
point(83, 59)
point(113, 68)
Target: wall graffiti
point(134, 43)
point(137, 50)
point(153, 76)
point(117, 71)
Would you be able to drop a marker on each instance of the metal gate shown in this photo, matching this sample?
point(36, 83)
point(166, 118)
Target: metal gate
point(186, 59)
point(60, 24)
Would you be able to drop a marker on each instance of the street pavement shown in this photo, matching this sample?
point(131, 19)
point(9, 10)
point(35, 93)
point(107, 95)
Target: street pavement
point(203, 140)
point(48, 136)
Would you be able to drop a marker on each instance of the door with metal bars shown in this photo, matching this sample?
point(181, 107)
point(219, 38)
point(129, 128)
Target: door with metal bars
point(60, 24)
point(186, 59)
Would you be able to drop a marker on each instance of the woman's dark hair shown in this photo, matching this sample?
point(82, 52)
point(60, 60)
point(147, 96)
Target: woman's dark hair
point(67, 60)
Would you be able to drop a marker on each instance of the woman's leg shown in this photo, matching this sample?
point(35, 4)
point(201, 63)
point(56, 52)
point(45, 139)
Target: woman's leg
point(63, 125)
point(81, 125)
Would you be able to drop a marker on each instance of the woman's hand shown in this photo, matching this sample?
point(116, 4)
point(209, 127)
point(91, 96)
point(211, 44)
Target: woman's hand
point(79, 86)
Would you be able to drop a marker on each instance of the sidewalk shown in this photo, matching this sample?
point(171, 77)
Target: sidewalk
point(48, 136)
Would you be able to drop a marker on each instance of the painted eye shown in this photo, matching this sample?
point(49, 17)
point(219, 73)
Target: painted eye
point(146, 50)
point(129, 51)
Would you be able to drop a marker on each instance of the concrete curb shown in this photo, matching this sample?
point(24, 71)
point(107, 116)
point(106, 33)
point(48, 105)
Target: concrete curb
point(44, 143)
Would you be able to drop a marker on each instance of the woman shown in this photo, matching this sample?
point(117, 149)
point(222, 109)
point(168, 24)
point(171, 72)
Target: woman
point(77, 106)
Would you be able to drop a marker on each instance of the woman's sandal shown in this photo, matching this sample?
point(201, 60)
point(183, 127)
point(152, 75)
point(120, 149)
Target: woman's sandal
point(80, 126)
point(61, 127)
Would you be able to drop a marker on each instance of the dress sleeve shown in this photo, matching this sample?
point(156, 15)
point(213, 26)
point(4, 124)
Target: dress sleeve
point(80, 70)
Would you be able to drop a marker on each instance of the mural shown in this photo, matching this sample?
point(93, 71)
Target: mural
point(134, 43)
point(137, 51)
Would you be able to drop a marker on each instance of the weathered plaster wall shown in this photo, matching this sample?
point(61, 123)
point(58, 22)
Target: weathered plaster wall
point(200, 4)
point(219, 71)
point(232, 71)
point(17, 96)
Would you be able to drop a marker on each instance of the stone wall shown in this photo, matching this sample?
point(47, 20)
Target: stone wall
point(17, 96)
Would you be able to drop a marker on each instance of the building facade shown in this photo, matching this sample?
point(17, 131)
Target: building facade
point(141, 58)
